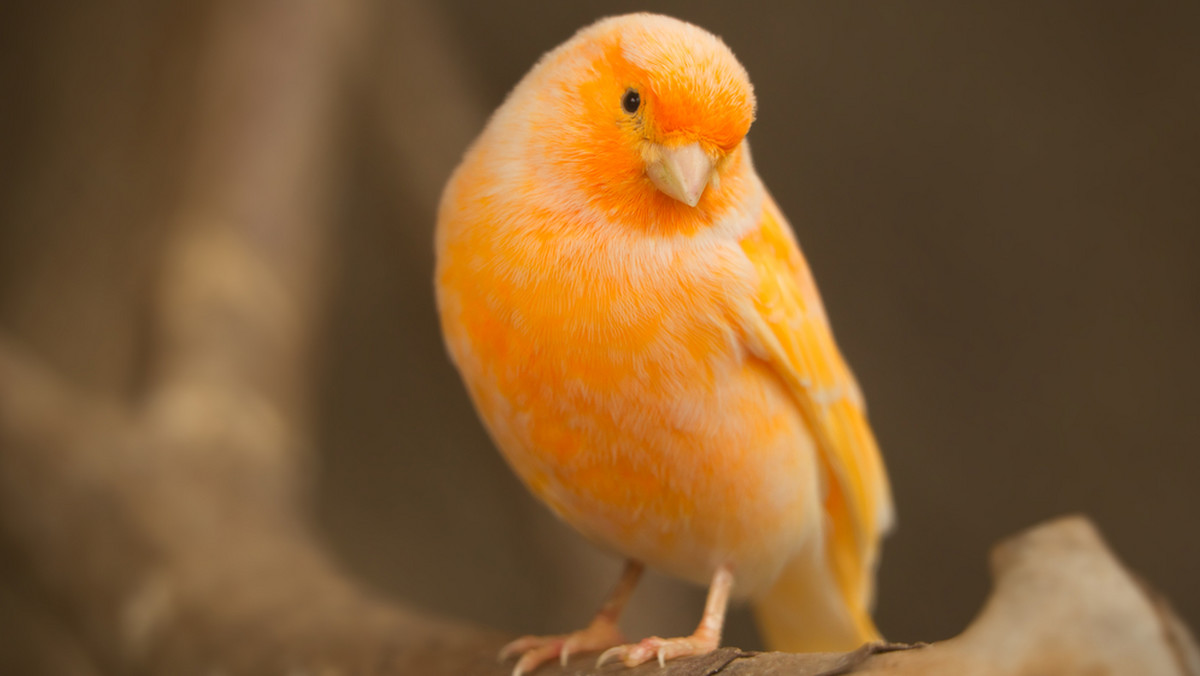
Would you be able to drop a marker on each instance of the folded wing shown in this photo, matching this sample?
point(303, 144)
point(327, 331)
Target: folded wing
point(786, 326)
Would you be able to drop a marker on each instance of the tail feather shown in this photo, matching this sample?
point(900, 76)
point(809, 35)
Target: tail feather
point(805, 612)
point(822, 599)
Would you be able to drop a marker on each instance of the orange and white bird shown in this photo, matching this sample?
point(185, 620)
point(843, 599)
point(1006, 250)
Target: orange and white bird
point(642, 337)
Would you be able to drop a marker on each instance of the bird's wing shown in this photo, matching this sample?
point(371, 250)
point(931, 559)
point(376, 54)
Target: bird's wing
point(786, 326)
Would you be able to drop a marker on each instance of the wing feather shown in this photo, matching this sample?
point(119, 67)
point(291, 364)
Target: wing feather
point(787, 327)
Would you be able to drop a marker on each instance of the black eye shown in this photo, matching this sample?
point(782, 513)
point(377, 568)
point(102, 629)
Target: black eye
point(631, 101)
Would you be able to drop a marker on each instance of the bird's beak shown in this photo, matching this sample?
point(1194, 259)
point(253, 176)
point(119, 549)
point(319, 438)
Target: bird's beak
point(681, 172)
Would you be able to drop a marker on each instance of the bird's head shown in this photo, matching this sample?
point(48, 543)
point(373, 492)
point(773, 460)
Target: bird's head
point(644, 113)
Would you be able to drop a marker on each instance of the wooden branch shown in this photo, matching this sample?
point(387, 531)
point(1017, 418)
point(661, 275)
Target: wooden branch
point(169, 552)
point(168, 533)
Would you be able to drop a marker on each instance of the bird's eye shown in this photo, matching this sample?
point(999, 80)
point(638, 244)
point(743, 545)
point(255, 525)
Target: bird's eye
point(631, 101)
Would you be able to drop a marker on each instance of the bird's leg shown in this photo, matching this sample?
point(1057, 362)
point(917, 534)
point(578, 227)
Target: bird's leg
point(706, 638)
point(600, 634)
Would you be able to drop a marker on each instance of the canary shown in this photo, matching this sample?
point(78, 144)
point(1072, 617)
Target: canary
point(640, 334)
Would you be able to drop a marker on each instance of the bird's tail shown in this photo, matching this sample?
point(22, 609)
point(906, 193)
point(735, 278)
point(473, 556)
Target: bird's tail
point(805, 612)
point(822, 599)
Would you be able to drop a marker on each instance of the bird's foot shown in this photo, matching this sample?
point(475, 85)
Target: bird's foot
point(537, 650)
point(661, 648)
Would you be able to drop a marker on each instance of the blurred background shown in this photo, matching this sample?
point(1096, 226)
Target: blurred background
point(1000, 202)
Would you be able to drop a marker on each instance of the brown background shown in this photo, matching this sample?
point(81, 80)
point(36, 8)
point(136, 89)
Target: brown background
point(1001, 204)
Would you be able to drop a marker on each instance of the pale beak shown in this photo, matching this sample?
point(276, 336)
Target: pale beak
point(681, 172)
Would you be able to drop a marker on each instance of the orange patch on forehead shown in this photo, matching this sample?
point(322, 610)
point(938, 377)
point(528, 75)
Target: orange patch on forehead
point(694, 85)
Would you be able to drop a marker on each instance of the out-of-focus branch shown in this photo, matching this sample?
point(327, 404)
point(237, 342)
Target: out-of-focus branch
point(162, 560)
point(167, 534)
point(1061, 604)
point(241, 279)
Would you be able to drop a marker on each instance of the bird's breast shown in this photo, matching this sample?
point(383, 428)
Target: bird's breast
point(610, 372)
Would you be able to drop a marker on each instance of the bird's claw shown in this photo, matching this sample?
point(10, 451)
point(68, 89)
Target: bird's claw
point(538, 650)
point(662, 649)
